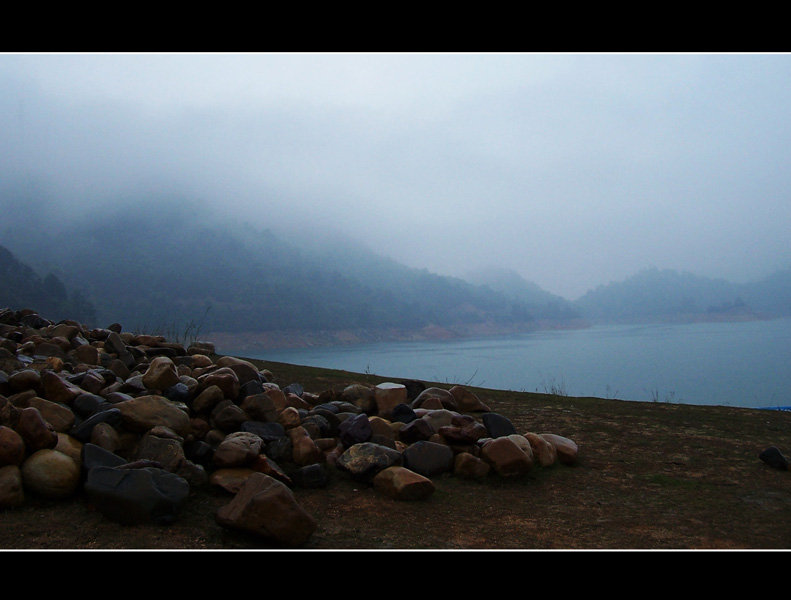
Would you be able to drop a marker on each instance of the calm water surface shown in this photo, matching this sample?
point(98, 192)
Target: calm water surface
point(733, 364)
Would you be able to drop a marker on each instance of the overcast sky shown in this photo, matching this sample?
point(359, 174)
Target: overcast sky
point(573, 169)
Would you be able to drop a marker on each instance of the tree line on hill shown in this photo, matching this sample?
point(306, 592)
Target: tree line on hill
point(170, 272)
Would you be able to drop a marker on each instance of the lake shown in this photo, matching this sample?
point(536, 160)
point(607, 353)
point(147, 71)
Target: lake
point(745, 364)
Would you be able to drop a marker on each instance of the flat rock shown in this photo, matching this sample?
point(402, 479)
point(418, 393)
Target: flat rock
point(136, 496)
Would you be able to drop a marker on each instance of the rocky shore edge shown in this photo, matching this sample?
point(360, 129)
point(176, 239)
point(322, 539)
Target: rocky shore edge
point(138, 422)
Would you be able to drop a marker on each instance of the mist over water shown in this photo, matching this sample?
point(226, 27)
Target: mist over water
point(742, 364)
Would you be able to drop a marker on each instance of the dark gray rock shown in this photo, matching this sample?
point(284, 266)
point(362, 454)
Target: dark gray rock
point(428, 458)
point(198, 452)
point(415, 431)
point(136, 496)
point(355, 430)
point(311, 476)
point(323, 425)
point(774, 458)
point(403, 413)
point(267, 431)
point(178, 393)
point(497, 425)
point(86, 404)
point(280, 450)
point(294, 388)
point(82, 432)
point(95, 456)
point(250, 388)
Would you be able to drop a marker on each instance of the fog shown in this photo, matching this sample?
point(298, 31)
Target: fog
point(573, 169)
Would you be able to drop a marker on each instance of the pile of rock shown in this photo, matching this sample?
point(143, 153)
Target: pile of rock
point(137, 422)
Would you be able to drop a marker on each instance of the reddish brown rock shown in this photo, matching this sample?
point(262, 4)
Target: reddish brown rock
point(466, 400)
point(12, 491)
point(237, 449)
point(230, 478)
point(225, 379)
point(467, 465)
point(57, 389)
point(400, 483)
point(567, 449)
point(12, 447)
point(35, 431)
point(506, 456)
point(160, 374)
point(266, 507)
point(543, 452)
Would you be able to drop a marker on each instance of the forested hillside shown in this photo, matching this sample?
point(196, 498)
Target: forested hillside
point(22, 287)
point(173, 269)
point(655, 294)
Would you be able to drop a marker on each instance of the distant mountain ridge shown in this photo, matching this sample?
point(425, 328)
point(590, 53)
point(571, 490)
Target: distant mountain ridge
point(169, 269)
point(164, 267)
point(654, 294)
point(22, 287)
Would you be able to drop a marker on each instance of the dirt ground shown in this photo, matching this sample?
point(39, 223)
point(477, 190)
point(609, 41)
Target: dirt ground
point(649, 476)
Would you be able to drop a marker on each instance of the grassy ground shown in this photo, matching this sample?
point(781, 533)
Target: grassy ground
point(649, 476)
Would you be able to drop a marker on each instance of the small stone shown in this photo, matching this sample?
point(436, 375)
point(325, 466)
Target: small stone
point(774, 458)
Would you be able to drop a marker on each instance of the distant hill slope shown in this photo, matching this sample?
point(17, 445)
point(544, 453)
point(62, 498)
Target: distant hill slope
point(22, 288)
point(655, 294)
point(168, 269)
point(541, 303)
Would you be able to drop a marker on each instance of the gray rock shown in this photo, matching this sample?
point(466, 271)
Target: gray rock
point(363, 461)
point(428, 458)
point(355, 430)
point(82, 432)
point(136, 496)
point(311, 476)
point(774, 458)
point(497, 425)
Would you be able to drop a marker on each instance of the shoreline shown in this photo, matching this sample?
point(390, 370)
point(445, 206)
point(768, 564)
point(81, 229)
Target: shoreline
point(284, 339)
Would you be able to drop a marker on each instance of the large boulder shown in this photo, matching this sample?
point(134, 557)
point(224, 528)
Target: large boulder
point(145, 412)
point(266, 507)
point(136, 495)
point(428, 458)
point(506, 456)
point(51, 474)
